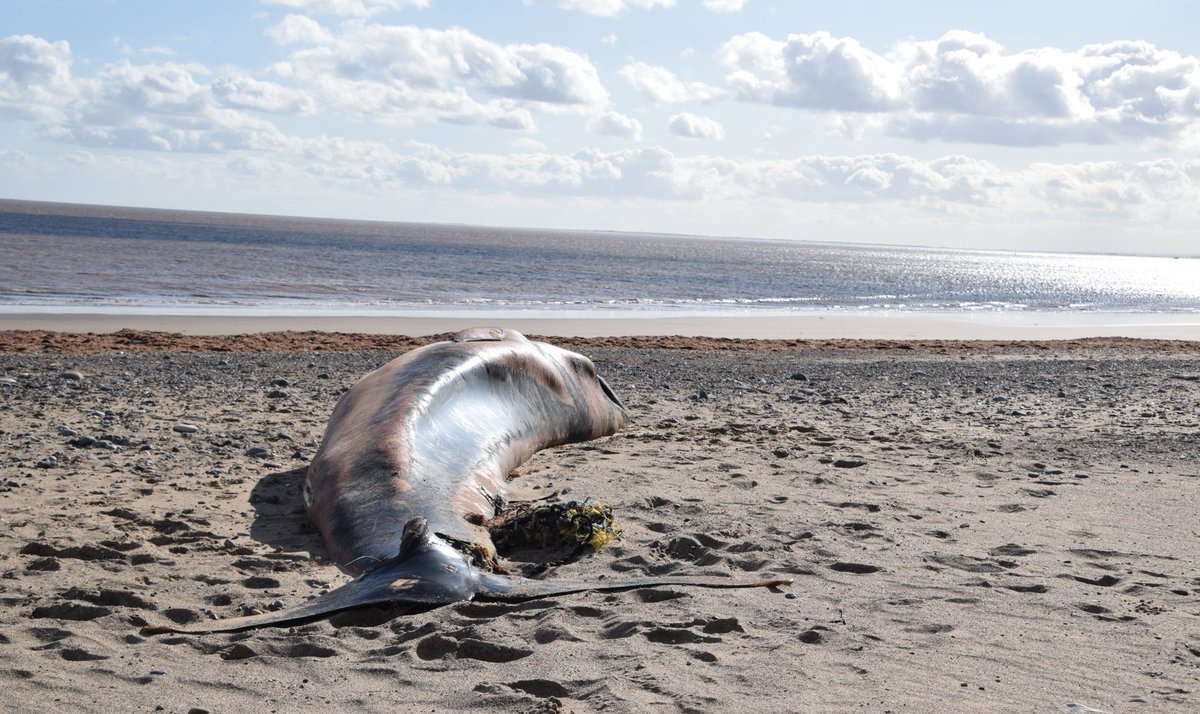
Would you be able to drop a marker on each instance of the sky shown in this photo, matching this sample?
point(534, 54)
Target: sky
point(1049, 125)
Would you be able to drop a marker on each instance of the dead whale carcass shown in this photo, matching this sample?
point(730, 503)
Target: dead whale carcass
point(414, 463)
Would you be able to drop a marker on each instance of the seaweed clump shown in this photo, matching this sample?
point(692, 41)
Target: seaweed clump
point(578, 525)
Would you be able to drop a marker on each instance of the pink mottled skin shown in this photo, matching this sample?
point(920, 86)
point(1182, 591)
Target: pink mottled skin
point(435, 432)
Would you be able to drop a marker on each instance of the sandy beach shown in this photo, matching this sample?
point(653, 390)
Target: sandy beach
point(971, 525)
point(600, 323)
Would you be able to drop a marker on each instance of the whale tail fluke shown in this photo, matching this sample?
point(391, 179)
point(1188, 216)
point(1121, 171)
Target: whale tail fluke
point(426, 571)
point(398, 582)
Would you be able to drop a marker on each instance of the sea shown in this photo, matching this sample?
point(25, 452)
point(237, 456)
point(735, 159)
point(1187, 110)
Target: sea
point(75, 258)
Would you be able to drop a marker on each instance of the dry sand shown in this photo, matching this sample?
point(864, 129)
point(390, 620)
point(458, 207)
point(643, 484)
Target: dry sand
point(970, 526)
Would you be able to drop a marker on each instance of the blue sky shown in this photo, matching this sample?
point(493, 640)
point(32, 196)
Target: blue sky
point(1025, 125)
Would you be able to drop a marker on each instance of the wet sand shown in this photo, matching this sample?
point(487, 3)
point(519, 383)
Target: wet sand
point(971, 526)
point(598, 323)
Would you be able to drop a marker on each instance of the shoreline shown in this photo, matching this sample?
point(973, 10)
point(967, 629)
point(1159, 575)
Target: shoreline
point(870, 326)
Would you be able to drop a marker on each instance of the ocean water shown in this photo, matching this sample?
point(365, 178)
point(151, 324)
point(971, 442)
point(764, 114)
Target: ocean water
point(64, 257)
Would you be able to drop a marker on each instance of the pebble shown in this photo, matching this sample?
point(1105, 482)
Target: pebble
point(72, 374)
point(276, 394)
point(7, 381)
point(258, 452)
point(67, 431)
point(279, 383)
point(800, 376)
point(47, 463)
point(185, 428)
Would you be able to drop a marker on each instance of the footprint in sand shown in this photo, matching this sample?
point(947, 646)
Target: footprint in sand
point(70, 611)
point(442, 647)
point(76, 654)
point(1105, 581)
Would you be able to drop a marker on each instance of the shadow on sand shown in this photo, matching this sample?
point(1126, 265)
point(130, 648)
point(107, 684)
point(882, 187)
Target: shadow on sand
point(280, 520)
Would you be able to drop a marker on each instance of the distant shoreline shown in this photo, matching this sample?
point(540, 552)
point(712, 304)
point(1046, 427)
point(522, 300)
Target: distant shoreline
point(890, 326)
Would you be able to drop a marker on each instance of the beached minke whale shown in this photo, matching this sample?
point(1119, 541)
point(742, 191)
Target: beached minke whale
point(415, 462)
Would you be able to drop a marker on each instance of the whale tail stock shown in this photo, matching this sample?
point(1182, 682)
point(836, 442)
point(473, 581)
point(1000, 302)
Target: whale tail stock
point(428, 571)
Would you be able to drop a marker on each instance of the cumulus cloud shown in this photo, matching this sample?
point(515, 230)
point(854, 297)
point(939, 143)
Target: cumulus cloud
point(350, 8)
point(377, 72)
point(695, 127)
point(615, 124)
point(245, 92)
point(299, 29)
point(403, 73)
point(817, 71)
point(165, 107)
point(34, 74)
point(159, 106)
point(660, 84)
point(956, 184)
point(724, 5)
point(966, 87)
point(606, 8)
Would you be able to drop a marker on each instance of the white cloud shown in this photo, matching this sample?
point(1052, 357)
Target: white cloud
point(298, 29)
point(34, 76)
point(817, 71)
point(14, 160)
point(955, 185)
point(725, 5)
point(166, 107)
point(966, 87)
point(606, 8)
point(660, 84)
point(695, 127)
point(616, 124)
point(244, 92)
point(352, 8)
point(376, 72)
point(405, 73)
